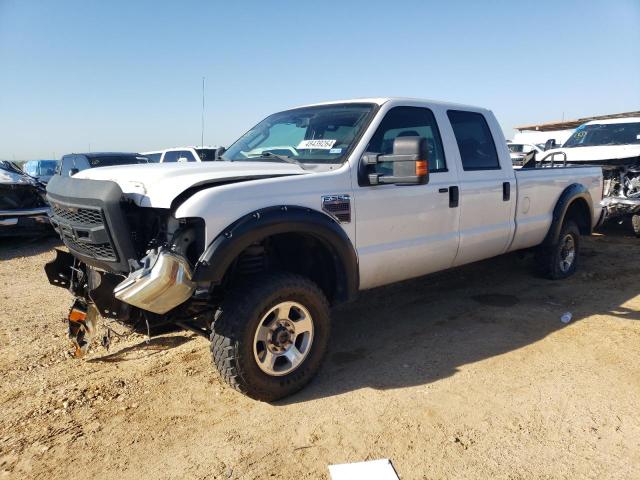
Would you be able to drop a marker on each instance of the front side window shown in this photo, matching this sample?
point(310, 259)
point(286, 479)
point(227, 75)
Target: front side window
point(322, 134)
point(475, 142)
point(408, 122)
point(605, 134)
point(153, 157)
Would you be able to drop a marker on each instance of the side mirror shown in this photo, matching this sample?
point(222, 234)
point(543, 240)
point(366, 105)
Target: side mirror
point(409, 160)
point(73, 171)
point(549, 144)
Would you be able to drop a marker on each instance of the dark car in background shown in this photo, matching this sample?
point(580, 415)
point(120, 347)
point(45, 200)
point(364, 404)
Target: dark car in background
point(42, 170)
point(73, 163)
point(23, 210)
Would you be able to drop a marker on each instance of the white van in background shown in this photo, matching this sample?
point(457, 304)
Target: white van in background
point(182, 155)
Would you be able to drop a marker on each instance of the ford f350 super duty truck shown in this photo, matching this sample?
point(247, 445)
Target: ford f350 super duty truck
point(306, 209)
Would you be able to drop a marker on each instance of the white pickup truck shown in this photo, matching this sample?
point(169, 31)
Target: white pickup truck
point(308, 207)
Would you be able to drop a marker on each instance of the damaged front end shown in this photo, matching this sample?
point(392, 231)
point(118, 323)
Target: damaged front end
point(23, 210)
point(125, 262)
point(621, 193)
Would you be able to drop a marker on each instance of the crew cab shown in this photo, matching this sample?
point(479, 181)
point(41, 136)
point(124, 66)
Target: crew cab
point(309, 207)
point(613, 144)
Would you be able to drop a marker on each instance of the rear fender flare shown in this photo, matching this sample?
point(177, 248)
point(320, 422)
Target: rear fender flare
point(570, 194)
point(255, 226)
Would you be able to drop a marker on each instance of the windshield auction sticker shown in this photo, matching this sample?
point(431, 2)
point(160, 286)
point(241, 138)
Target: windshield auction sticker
point(320, 144)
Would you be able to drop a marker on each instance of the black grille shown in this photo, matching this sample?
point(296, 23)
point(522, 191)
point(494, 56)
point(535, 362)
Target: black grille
point(102, 251)
point(79, 216)
point(90, 217)
point(83, 230)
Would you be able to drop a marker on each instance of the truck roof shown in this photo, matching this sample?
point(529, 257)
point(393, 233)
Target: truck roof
point(383, 100)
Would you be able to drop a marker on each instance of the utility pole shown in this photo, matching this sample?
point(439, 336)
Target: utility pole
point(202, 131)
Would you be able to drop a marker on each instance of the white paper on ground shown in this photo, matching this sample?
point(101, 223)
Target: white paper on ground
point(373, 470)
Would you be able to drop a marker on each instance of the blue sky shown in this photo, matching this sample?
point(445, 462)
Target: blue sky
point(126, 75)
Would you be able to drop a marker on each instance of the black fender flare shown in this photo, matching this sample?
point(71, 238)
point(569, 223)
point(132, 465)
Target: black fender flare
point(263, 223)
point(573, 192)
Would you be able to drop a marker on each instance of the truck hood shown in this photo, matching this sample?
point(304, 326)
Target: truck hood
point(598, 154)
point(158, 184)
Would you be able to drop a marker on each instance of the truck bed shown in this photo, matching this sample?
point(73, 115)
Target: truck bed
point(538, 192)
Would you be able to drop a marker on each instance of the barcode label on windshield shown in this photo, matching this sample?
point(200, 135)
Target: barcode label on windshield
point(321, 144)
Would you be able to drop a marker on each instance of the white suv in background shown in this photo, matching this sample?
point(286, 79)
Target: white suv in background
point(182, 154)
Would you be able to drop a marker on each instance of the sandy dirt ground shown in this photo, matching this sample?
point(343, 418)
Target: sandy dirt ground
point(466, 374)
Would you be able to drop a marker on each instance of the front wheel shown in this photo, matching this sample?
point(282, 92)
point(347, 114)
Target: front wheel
point(269, 339)
point(560, 260)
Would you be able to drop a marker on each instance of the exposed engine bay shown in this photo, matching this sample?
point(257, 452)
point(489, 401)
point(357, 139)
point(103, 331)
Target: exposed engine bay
point(621, 195)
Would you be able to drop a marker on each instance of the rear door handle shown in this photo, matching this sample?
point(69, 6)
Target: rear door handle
point(506, 191)
point(454, 196)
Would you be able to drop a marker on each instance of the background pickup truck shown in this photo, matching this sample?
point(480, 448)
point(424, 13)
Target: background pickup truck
point(308, 207)
point(615, 146)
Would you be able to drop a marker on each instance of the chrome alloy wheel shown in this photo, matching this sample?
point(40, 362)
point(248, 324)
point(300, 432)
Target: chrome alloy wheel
point(567, 253)
point(283, 338)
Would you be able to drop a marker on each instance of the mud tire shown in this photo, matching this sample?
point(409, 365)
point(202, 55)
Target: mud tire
point(236, 323)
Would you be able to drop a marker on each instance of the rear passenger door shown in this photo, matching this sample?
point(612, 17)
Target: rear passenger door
point(487, 190)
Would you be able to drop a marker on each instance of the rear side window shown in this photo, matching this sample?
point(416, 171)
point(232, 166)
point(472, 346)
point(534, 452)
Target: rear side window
point(475, 143)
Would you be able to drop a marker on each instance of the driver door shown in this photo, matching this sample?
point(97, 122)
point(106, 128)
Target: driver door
point(410, 230)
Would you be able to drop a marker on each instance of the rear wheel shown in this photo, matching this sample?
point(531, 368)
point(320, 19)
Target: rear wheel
point(560, 260)
point(635, 224)
point(269, 339)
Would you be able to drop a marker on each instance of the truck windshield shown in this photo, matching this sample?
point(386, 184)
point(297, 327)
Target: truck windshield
point(605, 134)
point(322, 134)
